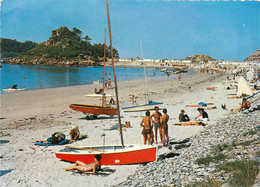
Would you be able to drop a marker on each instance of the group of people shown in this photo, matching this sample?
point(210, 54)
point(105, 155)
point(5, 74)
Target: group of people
point(202, 117)
point(158, 122)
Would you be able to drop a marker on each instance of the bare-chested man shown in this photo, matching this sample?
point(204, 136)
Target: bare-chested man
point(156, 121)
point(146, 123)
point(164, 121)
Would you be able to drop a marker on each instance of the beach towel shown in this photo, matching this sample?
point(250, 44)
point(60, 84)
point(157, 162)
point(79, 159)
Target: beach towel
point(202, 104)
point(66, 141)
point(113, 127)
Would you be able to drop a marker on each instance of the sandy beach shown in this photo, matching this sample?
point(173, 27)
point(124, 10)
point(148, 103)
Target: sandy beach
point(33, 115)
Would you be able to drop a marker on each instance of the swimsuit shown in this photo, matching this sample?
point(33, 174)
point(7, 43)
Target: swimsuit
point(91, 166)
point(156, 124)
point(165, 126)
point(146, 131)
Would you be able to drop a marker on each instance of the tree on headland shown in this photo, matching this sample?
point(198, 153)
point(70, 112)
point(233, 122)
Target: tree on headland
point(77, 31)
point(87, 39)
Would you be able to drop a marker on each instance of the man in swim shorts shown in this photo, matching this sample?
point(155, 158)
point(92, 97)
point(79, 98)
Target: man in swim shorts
point(156, 121)
point(146, 123)
point(164, 122)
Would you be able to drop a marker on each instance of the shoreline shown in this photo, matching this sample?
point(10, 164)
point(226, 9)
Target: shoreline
point(75, 83)
point(36, 114)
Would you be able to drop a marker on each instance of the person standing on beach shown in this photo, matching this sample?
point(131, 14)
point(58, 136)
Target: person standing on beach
point(134, 100)
point(179, 77)
point(109, 83)
point(164, 122)
point(156, 121)
point(146, 123)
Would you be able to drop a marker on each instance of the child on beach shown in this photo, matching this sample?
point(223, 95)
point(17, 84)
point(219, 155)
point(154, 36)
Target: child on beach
point(146, 123)
point(74, 133)
point(156, 121)
point(87, 168)
point(183, 117)
point(164, 122)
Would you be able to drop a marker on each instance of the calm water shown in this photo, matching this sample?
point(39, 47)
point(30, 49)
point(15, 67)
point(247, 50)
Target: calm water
point(30, 77)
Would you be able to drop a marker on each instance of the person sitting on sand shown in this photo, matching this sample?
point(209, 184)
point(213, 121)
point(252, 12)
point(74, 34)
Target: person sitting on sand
point(146, 123)
point(183, 117)
point(164, 121)
point(87, 168)
point(203, 116)
point(112, 101)
point(74, 133)
point(156, 121)
point(245, 103)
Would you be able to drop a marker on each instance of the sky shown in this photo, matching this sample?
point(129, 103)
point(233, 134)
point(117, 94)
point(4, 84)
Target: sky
point(168, 29)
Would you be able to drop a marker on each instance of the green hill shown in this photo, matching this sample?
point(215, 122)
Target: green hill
point(65, 47)
point(12, 48)
point(198, 58)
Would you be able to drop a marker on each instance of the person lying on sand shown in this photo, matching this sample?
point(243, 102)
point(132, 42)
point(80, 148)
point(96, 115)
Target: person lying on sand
point(156, 121)
point(245, 103)
point(183, 117)
point(87, 168)
point(56, 138)
point(203, 116)
point(164, 122)
point(146, 123)
point(74, 133)
point(98, 91)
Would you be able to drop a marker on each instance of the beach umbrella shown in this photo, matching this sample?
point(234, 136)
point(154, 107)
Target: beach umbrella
point(249, 75)
point(243, 87)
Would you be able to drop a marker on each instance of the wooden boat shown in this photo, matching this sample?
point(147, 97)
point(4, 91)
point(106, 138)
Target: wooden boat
point(94, 109)
point(111, 155)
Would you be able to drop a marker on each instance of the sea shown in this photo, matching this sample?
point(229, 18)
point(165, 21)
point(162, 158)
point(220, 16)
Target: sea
point(32, 77)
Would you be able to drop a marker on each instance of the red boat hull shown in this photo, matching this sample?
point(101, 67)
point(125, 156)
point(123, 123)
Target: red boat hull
point(114, 158)
point(94, 109)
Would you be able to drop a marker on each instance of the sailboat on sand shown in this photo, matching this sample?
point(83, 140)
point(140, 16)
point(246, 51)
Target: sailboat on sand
point(149, 103)
point(111, 154)
point(95, 110)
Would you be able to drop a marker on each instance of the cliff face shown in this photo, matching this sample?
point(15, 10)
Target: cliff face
point(64, 48)
point(198, 58)
point(254, 57)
